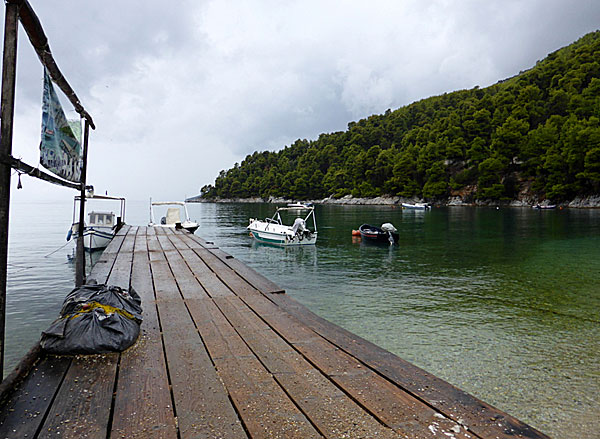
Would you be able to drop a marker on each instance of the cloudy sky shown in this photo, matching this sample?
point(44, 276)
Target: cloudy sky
point(179, 91)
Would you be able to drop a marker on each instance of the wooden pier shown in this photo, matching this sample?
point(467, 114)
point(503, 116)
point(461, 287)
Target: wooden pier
point(225, 353)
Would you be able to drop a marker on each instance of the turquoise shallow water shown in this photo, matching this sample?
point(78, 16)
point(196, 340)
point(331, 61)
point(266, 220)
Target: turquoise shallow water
point(504, 303)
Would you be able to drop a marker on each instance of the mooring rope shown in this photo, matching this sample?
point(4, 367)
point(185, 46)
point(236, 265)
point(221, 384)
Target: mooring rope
point(59, 248)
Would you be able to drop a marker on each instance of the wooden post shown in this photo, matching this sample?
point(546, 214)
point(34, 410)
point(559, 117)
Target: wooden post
point(79, 255)
point(9, 67)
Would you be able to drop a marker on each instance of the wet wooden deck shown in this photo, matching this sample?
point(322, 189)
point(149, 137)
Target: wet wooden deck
point(225, 353)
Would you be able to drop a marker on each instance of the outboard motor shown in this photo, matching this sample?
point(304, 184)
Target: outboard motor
point(299, 228)
point(389, 228)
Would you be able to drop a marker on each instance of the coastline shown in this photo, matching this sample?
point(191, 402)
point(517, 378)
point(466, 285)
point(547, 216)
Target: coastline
point(588, 202)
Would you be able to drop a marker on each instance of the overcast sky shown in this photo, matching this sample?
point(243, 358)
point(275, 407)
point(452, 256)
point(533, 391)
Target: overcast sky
point(179, 91)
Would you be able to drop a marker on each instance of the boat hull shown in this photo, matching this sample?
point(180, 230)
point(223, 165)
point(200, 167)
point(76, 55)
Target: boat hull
point(189, 226)
point(375, 234)
point(417, 206)
point(96, 238)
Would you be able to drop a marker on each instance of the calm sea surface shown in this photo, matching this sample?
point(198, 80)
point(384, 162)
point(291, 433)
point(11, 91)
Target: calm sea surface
point(504, 304)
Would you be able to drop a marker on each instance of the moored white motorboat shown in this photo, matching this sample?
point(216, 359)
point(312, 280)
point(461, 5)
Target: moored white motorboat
point(273, 231)
point(300, 205)
point(172, 218)
point(101, 225)
point(416, 206)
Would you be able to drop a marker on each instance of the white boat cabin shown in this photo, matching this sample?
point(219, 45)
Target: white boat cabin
point(103, 219)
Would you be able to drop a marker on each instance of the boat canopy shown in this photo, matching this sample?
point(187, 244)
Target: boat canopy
point(295, 208)
point(100, 197)
point(166, 203)
point(77, 199)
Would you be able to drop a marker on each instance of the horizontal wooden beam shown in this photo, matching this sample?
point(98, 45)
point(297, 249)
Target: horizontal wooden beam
point(39, 41)
point(35, 172)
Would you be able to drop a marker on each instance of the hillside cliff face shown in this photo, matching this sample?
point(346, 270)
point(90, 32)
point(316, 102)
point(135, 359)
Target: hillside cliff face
point(532, 137)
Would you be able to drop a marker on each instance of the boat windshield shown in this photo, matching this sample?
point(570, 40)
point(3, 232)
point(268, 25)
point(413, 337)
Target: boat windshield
point(173, 216)
point(311, 212)
point(101, 219)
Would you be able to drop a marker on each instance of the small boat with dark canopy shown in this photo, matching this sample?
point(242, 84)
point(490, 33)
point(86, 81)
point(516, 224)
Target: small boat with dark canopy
point(385, 233)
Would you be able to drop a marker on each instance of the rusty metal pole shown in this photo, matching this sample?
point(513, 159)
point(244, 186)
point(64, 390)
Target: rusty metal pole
point(9, 67)
point(79, 254)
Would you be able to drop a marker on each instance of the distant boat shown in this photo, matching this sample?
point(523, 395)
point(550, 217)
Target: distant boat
point(172, 218)
point(544, 206)
point(101, 225)
point(385, 233)
point(417, 206)
point(300, 205)
point(274, 231)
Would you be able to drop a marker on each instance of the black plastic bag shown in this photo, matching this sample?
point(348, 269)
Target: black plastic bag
point(107, 295)
point(95, 319)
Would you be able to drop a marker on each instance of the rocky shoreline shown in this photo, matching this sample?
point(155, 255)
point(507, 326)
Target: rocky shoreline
point(589, 202)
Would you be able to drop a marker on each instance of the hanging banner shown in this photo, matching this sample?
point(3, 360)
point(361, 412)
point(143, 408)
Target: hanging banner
point(60, 149)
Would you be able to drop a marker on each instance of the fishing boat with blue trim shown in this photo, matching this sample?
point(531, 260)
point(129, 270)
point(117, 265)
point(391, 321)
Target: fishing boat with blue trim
point(101, 225)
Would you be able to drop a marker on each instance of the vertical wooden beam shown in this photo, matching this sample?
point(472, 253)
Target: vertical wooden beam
point(79, 256)
point(9, 67)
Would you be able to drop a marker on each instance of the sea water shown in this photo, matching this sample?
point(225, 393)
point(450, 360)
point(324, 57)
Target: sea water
point(503, 303)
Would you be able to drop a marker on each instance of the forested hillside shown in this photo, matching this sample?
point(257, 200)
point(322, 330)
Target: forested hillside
point(538, 132)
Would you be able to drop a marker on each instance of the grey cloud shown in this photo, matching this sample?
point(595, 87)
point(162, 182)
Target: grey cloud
point(215, 80)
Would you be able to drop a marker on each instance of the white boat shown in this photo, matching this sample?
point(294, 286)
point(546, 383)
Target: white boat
point(418, 206)
point(300, 205)
point(101, 225)
point(172, 218)
point(273, 231)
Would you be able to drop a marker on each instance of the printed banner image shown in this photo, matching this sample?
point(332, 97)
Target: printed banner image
point(60, 148)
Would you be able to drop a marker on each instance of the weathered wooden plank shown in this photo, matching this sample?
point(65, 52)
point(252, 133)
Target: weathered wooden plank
point(207, 278)
point(329, 409)
point(263, 406)
point(202, 243)
point(480, 418)
point(251, 276)
point(22, 415)
point(120, 275)
point(161, 273)
point(201, 402)
point(177, 242)
point(82, 405)
point(104, 264)
point(154, 248)
point(229, 277)
point(141, 245)
point(165, 242)
point(187, 282)
point(254, 278)
point(143, 406)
